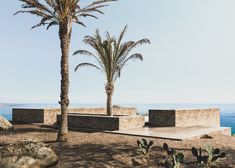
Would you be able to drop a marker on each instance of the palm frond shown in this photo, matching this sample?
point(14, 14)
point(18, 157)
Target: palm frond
point(88, 15)
point(91, 9)
point(75, 19)
point(133, 57)
point(85, 65)
point(85, 52)
point(118, 73)
point(55, 12)
point(111, 53)
point(45, 11)
point(53, 23)
point(99, 2)
point(122, 34)
point(140, 42)
point(52, 4)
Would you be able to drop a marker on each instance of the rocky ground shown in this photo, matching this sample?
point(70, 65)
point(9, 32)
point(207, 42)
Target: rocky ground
point(96, 149)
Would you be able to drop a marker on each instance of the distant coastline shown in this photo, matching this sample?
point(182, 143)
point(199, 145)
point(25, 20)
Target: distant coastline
point(227, 110)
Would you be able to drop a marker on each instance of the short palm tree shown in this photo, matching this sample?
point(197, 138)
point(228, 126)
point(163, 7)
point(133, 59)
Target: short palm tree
point(62, 13)
point(111, 55)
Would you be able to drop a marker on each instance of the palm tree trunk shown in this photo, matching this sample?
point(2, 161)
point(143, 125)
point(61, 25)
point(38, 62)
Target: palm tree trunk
point(109, 91)
point(65, 30)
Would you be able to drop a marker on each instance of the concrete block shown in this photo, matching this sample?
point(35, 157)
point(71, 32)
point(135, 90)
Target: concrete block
point(184, 118)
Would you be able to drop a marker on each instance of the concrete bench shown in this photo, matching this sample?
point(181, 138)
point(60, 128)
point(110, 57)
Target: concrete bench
point(184, 118)
point(104, 123)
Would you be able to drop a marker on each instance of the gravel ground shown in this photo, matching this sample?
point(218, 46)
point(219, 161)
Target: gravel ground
point(97, 149)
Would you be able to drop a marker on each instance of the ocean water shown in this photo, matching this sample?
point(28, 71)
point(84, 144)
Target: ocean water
point(227, 110)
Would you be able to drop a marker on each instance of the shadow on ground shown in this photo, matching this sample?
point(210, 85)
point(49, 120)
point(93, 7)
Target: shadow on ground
point(96, 155)
point(90, 150)
point(117, 155)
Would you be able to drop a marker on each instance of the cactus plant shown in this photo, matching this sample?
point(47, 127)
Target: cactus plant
point(198, 154)
point(212, 155)
point(176, 157)
point(144, 146)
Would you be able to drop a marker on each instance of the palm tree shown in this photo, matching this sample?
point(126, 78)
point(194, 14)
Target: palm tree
point(111, 56)
point(62, 13)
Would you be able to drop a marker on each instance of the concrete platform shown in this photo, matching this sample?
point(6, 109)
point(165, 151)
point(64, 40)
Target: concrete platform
point(175, 133)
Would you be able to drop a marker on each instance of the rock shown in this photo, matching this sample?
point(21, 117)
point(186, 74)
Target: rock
point(27, 154)
point(206, 137)
point(5, 125)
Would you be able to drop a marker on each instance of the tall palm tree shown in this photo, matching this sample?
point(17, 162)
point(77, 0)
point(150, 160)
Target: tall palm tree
point(62, 13)
point(111, 55)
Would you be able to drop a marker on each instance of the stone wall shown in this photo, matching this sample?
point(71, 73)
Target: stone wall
point(28, 115)
point(130, 122)
point(162, 118)
point(104, 123)
point(116, 111)
point(184, 117)
point(49, 116)
point(205, 117)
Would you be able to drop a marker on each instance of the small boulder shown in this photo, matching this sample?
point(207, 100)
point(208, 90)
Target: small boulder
point(206, 137)
point(5, 125)
point(27, 154)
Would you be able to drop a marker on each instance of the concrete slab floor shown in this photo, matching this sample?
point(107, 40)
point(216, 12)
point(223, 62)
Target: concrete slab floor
point(174, 133)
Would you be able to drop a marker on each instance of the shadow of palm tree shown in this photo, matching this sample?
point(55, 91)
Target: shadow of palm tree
point(103, 155)
point(95, 155)
point(230, 157)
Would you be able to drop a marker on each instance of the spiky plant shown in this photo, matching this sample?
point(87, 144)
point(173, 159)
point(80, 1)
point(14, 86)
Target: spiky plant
point(111, 55)
point(62, 13)
point(144, 146)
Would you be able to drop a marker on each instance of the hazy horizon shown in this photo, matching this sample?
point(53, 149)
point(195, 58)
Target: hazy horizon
point(114, 103)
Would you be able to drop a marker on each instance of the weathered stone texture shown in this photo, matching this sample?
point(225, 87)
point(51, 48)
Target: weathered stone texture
point(28, 115)
point(116, 111)
point(104, 122)
point(5, 125)
point(184, 117)
point(130, 122)
point(49, 116)
point(194, 117)
point(162, 118)
point(27, 154)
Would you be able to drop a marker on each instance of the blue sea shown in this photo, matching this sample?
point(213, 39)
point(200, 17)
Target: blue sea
point(227, 110)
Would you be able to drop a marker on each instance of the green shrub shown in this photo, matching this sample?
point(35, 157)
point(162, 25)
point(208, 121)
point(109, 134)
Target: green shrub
point(212, 155)
point(177, 158)
point(144, 146)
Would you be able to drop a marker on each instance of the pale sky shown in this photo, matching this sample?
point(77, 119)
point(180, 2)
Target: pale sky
point(191, 58)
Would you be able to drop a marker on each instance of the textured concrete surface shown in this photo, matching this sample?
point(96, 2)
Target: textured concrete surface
point(184, 118)
point(175, 133)
point(49, 116)
point(99, 122)
point(28, 115)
